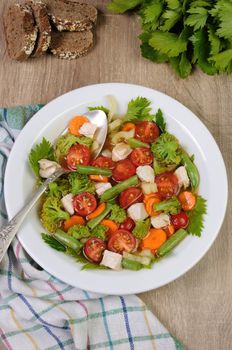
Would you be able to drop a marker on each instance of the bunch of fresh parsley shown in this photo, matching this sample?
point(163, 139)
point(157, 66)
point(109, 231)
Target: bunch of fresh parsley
point(184, 33)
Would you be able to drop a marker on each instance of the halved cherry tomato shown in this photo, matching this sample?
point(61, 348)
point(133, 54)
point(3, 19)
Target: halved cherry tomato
point(167, 184)
point(141, 156)
point(84, 203)
point(128, 224)
point(94, 248)
point(121, 241)
point(147, 132)
point(123, 170)
point(104, 162)
point(78, 155)
point(180, 220)
point(130, 196)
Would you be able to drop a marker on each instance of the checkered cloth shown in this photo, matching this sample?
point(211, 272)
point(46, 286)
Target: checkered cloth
point(38, 311)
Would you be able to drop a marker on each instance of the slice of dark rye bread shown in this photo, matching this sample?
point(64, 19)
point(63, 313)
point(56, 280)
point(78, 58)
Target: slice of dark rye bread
point(71, 15)
point(70, 45)
point(21, 31)
point(39, 9)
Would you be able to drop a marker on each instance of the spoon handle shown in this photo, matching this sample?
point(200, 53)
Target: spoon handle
point(8, 231)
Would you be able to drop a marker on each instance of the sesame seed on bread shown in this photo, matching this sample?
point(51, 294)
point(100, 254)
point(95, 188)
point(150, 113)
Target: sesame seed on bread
point(71, 15)
point(71, 45)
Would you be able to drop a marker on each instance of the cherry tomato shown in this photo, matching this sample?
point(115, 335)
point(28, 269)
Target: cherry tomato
point(123, 170)
point(104, 162)
point(146, 132)
point(84, 203)
point(121, 241)
point(94, 248)
point(130, 196)
point(127, 224)
point(141, 156)
point(78, 155)
point(167, 184)
point(180, 220)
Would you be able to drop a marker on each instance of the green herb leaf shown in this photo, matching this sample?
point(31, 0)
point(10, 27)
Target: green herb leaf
point(169, 18)
point(201, 49)
point(44, 150)
point(223, 60)
point(121, 6)
point(100, 108)
point(168, 43)
point(159, 120)
point(53, 243)
point(196, 217)
point(215, 44)
point(150, 14)
point(197, 18)
point(138, 109)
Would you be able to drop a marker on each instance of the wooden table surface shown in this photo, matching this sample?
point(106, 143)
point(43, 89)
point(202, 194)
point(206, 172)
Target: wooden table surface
point(197, 307)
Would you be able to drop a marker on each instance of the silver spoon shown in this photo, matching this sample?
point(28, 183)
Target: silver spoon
point(8, 231)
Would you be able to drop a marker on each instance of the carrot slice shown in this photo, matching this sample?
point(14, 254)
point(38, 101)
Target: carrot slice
point(154, 239)
point(170, 229)
point(74, 220)
point(187, 200)
point(75, 124)
point(150, 195)
point(97, 212)
point(99, 178)
point(111, 225)
point(128, 127)
point(149, 206)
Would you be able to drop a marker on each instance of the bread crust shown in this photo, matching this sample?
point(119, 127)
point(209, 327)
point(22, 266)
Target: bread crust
point(21, 32)
point(39, 9)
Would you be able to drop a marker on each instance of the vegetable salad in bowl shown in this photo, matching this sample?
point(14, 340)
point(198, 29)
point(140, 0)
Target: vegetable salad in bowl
point(131, 205)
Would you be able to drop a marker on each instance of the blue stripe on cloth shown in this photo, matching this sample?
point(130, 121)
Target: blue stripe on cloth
point(86, 294)
point(31, 309)
point(127, 323)
point(105, 323)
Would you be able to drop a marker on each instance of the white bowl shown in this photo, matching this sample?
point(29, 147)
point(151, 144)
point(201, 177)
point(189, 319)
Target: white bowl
point(193, 135)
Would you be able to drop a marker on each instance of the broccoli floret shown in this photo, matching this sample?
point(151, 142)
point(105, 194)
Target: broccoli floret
point(80, 183)
point(141, 228)
point(63, 145)
point(166, 150)
point(169, 206)
point(59, 188)
point(99, 232)
point(159, 169)
point(84, 140)
point(52, 214)
point(117, 214)
point(79, 231)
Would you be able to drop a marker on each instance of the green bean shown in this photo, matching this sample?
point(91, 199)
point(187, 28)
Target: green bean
point(68, 241)
point(93, 170)
point(131, 265)
point(172, 242)
point(134, 143)
point(192, 171)
point(94, 222)
point(117, 189)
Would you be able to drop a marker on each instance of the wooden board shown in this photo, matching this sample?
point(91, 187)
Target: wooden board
point(197, 307)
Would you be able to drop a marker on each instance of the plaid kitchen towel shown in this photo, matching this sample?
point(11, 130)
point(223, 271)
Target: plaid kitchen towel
point(38, 311)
